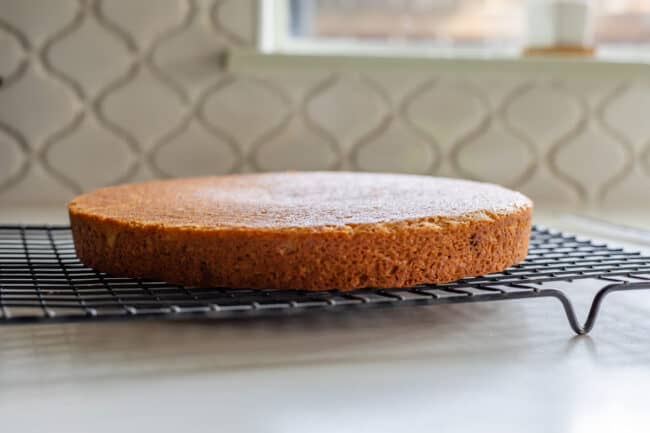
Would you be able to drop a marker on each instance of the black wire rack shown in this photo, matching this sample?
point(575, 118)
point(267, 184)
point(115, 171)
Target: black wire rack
point(42, 280)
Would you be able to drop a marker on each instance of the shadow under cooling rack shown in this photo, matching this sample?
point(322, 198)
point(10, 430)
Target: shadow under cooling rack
point(42, 280)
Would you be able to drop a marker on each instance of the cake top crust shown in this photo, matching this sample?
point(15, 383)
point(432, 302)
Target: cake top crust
point(297, 200)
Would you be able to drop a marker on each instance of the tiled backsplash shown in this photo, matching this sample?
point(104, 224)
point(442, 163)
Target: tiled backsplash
point(100, 92)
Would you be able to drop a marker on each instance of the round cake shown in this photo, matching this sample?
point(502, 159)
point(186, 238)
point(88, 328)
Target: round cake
point(302, 230)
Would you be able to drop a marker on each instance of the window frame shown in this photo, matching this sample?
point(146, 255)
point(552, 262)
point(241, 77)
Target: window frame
point(274, 38)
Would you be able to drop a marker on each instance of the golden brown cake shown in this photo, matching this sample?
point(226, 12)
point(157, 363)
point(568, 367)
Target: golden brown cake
point(313, 230)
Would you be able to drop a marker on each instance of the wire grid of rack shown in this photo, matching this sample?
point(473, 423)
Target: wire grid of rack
point(42, 280)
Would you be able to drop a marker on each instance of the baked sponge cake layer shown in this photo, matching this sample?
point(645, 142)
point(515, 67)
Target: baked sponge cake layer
point(302, 230)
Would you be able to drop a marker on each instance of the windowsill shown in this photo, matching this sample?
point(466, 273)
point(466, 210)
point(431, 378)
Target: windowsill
point(604, 64)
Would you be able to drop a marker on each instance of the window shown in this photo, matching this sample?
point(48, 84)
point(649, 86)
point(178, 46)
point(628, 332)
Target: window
point(623, 22)
point(445, 27)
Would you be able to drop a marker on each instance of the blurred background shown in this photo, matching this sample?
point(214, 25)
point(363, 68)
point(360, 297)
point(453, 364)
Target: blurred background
point(102, 92)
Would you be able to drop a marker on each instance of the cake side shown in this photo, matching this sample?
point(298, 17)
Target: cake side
point(434, 249)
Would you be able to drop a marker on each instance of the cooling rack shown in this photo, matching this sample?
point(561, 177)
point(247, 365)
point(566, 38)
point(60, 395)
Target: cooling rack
point(42, 280)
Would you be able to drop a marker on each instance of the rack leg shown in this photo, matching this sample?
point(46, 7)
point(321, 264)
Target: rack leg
point(598, 299)
point(568, 310)
point(595, 304)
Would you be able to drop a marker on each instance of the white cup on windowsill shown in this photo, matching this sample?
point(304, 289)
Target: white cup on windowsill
point(559, 27)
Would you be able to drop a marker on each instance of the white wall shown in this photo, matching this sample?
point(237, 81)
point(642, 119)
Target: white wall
point(99, 92)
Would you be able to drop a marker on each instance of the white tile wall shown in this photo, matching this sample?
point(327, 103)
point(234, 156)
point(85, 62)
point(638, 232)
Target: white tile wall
point(105, 91)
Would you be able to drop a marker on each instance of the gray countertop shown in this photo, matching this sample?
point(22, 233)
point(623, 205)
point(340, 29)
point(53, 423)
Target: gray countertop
point(509, 366)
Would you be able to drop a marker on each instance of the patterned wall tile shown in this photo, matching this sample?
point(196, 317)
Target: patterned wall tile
point(12, 161)
point(36, 106)
point(496, 156)
point(296, 84)
point(527, 116)
point(347, 107)
point(246, 109)
point(144, 170)
point(143, 106)
point(191, 56)
point(528, 112)
point(285, 136)
point(195, 152)
point(396, 149)
point(143, 24)
point(498, 88)
point(139, 87)
point(632, 190)
point(592, 91)
point(397, 84)
point(36, 187)
point(90, 56)
point(627, 113)
point(592, 170)
point(296, 146)
point(38, 20)
point(89, 157)
point(12, 52)
point(448, 110)
point(546, 187)
point(236, 19)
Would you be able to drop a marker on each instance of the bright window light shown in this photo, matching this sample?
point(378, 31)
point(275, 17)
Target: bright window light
point(438, 26)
